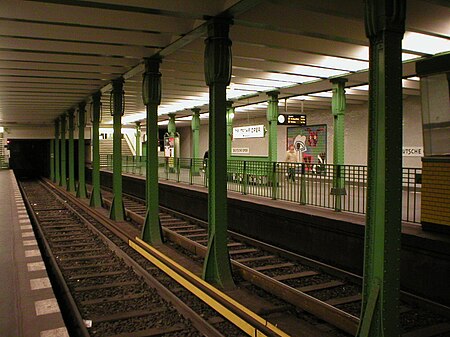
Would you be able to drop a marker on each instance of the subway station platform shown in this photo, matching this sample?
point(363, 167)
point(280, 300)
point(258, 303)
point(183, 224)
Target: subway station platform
point(28, 307)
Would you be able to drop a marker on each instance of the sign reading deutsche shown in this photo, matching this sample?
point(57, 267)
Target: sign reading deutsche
point(298, 119)
point(251, 131)
point(413, 151)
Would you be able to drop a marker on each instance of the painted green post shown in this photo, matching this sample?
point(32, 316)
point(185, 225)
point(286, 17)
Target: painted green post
point(117, 211)
point(385, 26)
point(63, 181)
point(71, 184)
point(230, 116)
point(151, 96)
point(52, 160)
point(171, 127)
point(272, 119)
point(81, 190)
point(338, 105)
point(217, 267)
point(96, 196)
point(57, 159)
point(195, 126)
point(138, 139)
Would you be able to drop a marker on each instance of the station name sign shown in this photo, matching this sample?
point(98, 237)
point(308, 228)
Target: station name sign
point(251, 131)
point(297, 119)
point(413, 151)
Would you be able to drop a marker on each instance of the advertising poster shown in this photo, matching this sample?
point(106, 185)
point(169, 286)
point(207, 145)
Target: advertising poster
point(310, 142)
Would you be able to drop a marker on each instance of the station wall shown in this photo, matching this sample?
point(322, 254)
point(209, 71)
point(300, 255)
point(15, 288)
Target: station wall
point(356, 139)
point(41, 132)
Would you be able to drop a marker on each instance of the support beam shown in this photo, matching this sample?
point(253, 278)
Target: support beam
point(96, 196)
point(338, 106)
point(63, 180)
point(71, 184)
point(217, 267)
point(230, 116)
point(138, 139)
point(195, 155)
point(117, 211)
point(81, 190)
point(272, 120)
point(57, 177)
point(151, 95)
point(385, 26)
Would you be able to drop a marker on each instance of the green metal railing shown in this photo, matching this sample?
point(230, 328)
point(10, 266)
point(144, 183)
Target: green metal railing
point(338, 187)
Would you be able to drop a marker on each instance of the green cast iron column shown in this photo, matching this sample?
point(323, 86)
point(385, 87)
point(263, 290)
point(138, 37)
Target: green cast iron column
point(138, 138)
point(52, 160)
point(217, 268)
point(63, 181)
point(272, 119)
point(385, 26)
point(96, 196)
point(71, 184)
point(338, 105)
point(117, 211)
point(81, 191)
point(230, 116)
point(195, 126)
point(151, 95)
point(171, 127)
point(57, 159)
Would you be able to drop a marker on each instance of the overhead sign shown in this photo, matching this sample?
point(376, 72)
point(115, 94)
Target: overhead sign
point(413, 151)
point(297, 119)
point(251, 131)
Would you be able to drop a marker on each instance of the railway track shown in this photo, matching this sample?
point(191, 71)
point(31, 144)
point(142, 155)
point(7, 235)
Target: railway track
point(330, 294)
point(108, 288)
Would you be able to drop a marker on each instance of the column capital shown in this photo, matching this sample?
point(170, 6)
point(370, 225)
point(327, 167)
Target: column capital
point(96, 97)
point(339, 80)
point(195, 110)
point(384, 15)
point(151, 82)
point(117, 84)
point(81, 114)
point(273, 94)
point(218, 52)
point(117, 105)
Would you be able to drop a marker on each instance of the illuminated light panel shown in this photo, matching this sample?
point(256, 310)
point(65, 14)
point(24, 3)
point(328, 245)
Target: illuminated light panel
point(267, 83)
point(343, 63)
point(301, 98)
point(233, 93)
point(425, 43)
point(250, 87)
point(204, 115)
point(186, 118)
point(325, 94)
point(414, 78)
point(163, 122)
point(408, 56)
point(291, 78)
point(134, 117)
point(315, 71)
point(364, 87)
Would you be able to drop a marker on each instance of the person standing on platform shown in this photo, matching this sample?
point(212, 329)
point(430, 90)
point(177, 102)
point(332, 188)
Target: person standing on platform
point(291, 157)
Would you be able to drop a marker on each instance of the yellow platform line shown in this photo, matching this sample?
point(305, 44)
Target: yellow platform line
point(248, 328)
